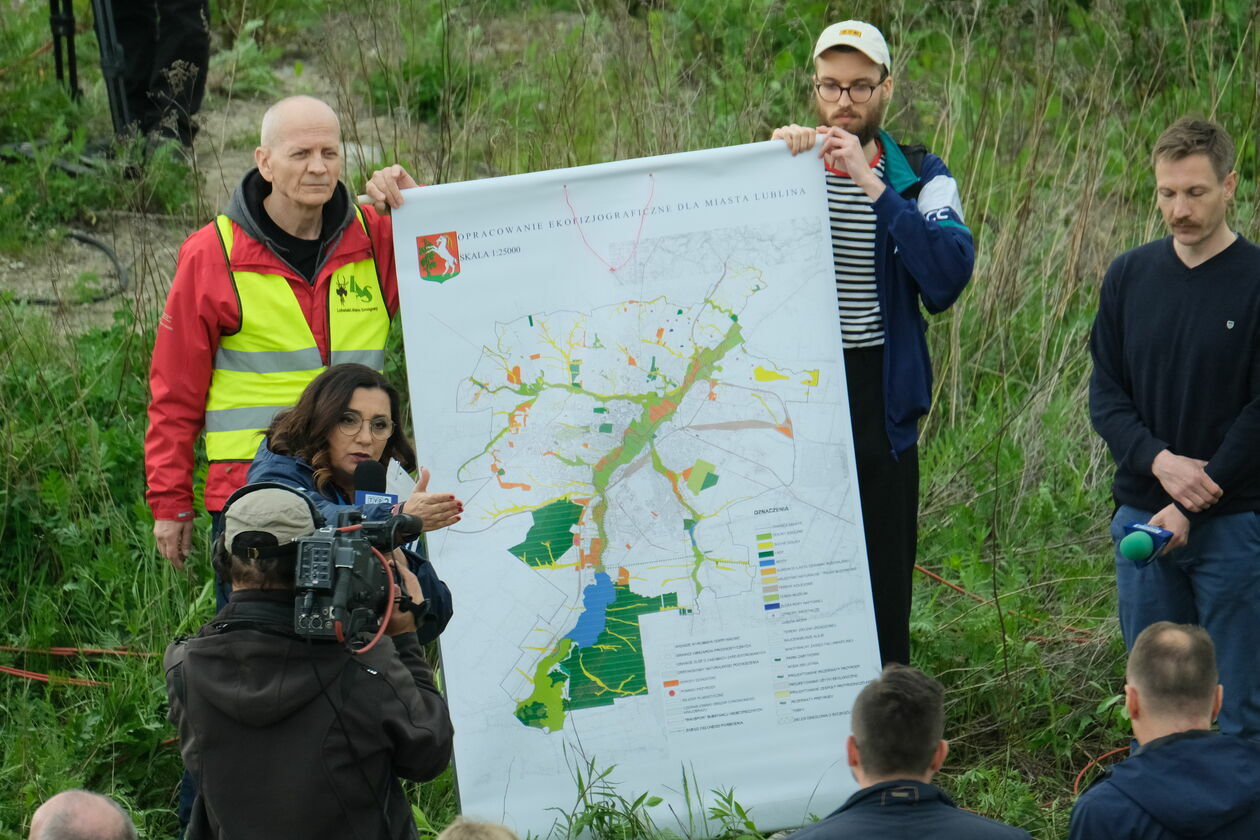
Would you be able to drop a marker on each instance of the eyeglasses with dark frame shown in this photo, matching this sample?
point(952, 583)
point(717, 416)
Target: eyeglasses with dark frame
point(859, 92)
point(352, 421)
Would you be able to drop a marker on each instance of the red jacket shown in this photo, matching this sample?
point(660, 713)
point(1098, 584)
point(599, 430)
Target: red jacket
point(202, 306)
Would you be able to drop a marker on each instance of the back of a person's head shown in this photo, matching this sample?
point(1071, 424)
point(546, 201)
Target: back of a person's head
point(81, 815)
point(898, 722)
point(1173, 667)
point(465, 829)
point(257, 549)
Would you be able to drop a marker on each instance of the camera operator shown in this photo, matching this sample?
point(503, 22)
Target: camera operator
point(290, 737)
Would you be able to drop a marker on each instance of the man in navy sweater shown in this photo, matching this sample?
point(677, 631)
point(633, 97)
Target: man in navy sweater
point(1175, 393)
point(898, 241)
point(894, 751)
point(1184, 780)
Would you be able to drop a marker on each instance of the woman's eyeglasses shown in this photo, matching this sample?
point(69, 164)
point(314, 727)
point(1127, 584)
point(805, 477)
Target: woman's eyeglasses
point(352, 421)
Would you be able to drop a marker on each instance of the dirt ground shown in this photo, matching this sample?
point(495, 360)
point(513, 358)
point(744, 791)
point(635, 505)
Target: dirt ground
point(64, 276)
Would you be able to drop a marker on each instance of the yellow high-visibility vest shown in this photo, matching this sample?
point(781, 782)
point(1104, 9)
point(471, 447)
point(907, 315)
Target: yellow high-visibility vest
point(264, 366)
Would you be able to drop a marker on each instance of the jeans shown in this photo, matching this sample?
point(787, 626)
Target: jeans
point(1212, 581)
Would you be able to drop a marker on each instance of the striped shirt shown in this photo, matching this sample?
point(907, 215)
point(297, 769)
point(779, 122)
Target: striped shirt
point(853, 249)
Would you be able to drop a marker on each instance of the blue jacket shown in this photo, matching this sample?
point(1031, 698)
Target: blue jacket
point(906, 810)
point(923, 252)
point(1191, 784)
point(286, 469)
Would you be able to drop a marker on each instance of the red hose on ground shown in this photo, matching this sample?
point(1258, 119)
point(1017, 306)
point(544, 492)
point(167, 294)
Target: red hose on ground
point(45, 678)
point(69, 651)
point(1084, 634)
point(1076, 785)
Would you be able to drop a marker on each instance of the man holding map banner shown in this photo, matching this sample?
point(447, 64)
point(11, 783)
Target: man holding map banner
point(898, 238)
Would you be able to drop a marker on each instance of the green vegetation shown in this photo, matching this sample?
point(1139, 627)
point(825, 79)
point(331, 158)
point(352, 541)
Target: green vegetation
point(1044, 109)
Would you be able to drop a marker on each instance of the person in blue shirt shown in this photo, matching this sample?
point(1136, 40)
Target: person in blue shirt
point(895, 750)
point(1184, 780)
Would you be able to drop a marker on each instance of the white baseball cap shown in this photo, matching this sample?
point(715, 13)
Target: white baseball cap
point(858, 34)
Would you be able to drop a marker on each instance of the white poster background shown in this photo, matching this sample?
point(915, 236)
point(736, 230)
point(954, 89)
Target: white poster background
point(651, 349)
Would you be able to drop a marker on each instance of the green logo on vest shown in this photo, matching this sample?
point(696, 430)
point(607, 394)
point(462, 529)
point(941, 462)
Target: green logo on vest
point(346, 288)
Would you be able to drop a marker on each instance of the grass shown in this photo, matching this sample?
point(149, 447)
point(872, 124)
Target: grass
point(1044, 110)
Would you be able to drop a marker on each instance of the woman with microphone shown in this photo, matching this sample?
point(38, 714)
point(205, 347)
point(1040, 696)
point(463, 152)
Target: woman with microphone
point(347, 416)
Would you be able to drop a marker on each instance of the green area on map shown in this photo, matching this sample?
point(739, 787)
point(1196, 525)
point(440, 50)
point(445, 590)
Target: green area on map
point(702, 477)
point(596, 675)
point(550, 537)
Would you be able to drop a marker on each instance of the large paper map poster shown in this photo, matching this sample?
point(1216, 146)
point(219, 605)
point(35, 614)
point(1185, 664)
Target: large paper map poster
point(630, 374)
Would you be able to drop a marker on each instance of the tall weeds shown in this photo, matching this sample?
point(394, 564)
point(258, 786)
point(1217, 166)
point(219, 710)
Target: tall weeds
point(1044, 110)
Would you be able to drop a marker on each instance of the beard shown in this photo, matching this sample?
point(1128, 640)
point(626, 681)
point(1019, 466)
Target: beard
point(869, 116)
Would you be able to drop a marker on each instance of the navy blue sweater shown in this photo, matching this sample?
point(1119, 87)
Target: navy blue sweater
point(1191, 784)
point(1177, 366)
point(906, 810)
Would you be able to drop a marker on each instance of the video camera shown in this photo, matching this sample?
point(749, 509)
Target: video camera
point(343, 586)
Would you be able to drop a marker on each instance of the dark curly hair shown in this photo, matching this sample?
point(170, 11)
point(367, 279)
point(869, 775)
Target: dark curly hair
point(302, 431)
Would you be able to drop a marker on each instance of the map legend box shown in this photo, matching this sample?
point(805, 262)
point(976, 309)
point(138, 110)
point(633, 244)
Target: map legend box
point(769, 572)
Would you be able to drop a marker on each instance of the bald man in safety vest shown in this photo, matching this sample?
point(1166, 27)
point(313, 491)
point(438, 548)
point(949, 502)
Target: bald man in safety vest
point(292, 277)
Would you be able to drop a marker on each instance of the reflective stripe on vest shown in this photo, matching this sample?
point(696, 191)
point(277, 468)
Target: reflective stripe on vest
point(265, 365)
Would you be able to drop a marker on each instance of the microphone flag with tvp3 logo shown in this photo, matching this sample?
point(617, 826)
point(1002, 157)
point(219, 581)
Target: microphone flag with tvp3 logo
point(369, 485)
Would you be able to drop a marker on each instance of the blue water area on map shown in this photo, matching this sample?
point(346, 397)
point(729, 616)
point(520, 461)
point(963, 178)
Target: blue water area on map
point(596, 599)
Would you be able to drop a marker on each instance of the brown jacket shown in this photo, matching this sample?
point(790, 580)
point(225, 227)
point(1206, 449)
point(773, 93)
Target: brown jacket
point(289, 738)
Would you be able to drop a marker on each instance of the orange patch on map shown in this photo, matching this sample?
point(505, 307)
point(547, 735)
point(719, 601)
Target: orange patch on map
point(786, 428)
point(590, 558)
point(603, 462)
point(673, 479)
point(519, 416)
point(536, 356)
point(496, 469)
point(514, 376)
point(623, 575)
point(656, 412)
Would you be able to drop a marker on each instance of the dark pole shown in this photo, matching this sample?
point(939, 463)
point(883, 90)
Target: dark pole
point(72, 55)
point(61, 21)
point(112, 64)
